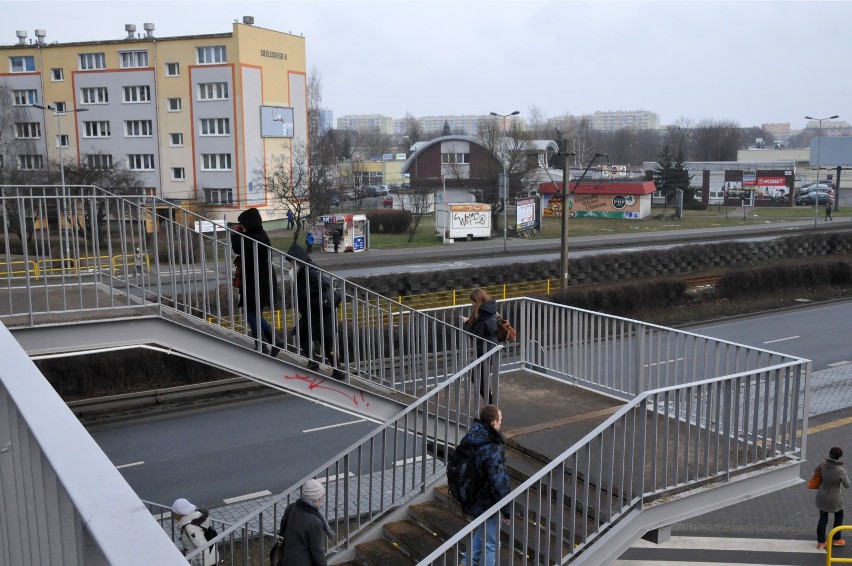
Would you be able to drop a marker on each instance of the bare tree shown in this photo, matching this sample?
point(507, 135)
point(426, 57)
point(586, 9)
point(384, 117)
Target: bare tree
point(288, 181)
point(716, 140)
point(323, 151)
point(679, 136)
point(419, 202)
point(412, 128)
point(510, 150)
point(537, 121)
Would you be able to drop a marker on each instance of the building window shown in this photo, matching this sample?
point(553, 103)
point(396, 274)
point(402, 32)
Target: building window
point(138, 128)
point(178, 174)
point(28, 130)
point(172, 69)
point(215, 127)
point(218, 196)
point(176, 140)
point(92, 61)
point(94, 95)
point(174, 104)
point(99, 129)
point(213, 91)
point(63, 141)
point(211, 55)
point(24, 64)
point(133, 59)
point(455, 158)
point(99, 161)
point(25, 97)
point(60, 106)
point(215, 161)
point(140, 162)
point(31, 162)
point(57, 75)
point(135, 94)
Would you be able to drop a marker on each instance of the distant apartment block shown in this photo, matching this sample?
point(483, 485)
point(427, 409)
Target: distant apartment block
point(365, 123)
point(777, 129)
point(326, 120)
point(628, 119)
point(195, 116)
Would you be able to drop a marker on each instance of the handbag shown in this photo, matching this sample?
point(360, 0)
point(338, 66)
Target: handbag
point(816, 479)
point(277, 550)
point(505, 331)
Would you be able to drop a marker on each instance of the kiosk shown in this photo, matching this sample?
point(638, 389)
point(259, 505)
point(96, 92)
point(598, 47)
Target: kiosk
point(351, 227)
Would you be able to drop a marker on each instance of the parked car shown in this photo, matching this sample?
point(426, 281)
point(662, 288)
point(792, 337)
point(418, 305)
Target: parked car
point(814, 197)
point(405, 186)
point(334, 200)
point(811, 188)
point(371, 190)
point(393, 189)
point(827, 182)
point(388, 202)
point(383, 190)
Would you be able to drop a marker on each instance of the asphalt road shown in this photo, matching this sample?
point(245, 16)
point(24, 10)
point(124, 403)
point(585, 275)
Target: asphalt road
point(211, 456)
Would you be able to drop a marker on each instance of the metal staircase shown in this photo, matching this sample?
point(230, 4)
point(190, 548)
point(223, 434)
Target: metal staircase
point(620, 426)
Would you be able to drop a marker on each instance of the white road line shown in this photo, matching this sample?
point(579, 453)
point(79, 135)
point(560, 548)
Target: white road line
point(334, 425)
point(129, 465)
point(247, 496)
point(781, 339)
point(733, 543)
point(410, 460)
point(840, 363)
point(335, 478)
point(664, 362)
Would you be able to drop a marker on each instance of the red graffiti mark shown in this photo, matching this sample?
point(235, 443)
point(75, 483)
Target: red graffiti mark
point(318, 383)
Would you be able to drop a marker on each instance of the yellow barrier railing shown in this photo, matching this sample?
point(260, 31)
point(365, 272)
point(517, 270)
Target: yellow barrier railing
point(45, 267)
point(456, 298)
point(829, 549)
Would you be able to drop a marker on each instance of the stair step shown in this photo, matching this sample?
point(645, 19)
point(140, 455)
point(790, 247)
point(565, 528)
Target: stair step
point(381, 552)
point(521, 466)
point(414, 540)
point(436, 517)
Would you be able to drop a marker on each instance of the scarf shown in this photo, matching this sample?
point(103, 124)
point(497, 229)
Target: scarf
point(315, 510)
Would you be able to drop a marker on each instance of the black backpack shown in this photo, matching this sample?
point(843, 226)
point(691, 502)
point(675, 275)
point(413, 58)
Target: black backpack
point(463, 479)
point(209, 532)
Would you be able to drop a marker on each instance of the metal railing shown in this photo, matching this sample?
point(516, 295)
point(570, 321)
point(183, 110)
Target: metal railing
point(89, 250)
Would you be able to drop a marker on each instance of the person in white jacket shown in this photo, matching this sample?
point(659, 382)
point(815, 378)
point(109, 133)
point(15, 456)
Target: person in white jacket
point(192, 522)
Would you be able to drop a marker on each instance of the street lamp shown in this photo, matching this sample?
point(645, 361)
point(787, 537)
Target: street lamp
point(59, 113)
point(819, 136)
point(505, 185)
point(563, 258)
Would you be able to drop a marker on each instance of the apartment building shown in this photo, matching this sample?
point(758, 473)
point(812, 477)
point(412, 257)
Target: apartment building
point(195, 116)
point(366, 123)
point(621, 119)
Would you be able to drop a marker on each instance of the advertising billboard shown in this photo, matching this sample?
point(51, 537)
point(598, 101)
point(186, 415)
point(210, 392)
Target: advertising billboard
point(276, 122)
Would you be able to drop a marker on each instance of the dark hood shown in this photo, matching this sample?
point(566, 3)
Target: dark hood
point(480, 434)
point(250, 219)
point(299, 253)
point(490, 307)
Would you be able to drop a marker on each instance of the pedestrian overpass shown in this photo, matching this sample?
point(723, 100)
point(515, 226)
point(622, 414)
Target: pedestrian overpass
point(658, 425)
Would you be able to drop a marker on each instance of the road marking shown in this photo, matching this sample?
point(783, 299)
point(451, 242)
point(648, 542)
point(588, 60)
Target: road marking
point(733, 543)
point(128, 465)
point(841, 363)
point(664, 362)
point(335, 478)
point(334, 425)
point(247, 496)
point(781, 339)
point(829, 426)
point(410, 460)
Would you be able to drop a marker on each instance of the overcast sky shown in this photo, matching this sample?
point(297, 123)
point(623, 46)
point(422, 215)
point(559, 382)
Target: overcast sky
point(753, 62)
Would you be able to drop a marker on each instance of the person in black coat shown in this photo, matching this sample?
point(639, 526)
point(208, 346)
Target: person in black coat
point(303, 528)
point(482, 322)
point(315, 303)
point(260, 283)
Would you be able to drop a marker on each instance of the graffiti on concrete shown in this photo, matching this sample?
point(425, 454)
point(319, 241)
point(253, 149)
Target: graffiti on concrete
point(358, 398)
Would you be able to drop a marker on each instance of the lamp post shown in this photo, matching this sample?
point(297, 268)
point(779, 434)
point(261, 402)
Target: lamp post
point(59, 114)
point(505, 186)
point(819, 136)
point(563, 259)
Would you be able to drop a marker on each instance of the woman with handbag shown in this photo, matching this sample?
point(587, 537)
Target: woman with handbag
point(482, 322)
point(829, 496)
point(303, 528)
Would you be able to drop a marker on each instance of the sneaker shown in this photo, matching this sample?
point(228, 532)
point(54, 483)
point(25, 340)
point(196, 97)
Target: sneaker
point(821, 545)
point(839, 542)
point(313, 366)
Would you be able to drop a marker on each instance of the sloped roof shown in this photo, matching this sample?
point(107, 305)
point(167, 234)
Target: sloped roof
point(602, 188)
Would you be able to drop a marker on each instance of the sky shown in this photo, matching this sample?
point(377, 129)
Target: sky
point(751, 62)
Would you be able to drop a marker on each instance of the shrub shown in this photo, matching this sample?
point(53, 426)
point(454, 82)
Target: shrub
point(388, 220)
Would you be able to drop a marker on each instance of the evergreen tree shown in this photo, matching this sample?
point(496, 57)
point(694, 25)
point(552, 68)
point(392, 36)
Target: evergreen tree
point(446, 131)
point(671, 174)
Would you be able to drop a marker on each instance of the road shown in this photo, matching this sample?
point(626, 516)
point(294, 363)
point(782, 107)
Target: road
point(213, 456)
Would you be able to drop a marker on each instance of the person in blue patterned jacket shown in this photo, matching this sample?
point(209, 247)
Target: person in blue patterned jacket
point(490, 461)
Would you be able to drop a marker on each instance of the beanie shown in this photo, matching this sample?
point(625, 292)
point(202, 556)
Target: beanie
point(313, 490)
point(182, 507)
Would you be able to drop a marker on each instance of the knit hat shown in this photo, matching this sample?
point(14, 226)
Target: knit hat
point(313, 490)
point(182, 507)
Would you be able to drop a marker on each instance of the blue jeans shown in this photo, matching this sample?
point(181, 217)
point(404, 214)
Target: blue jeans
point(492, 528)
point(251, 317)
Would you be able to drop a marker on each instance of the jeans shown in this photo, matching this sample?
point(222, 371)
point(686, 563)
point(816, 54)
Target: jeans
point(251, 317)
point(492, 528)
point(823, 521)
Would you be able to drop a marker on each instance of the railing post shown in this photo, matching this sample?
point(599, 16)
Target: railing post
point(640, 381)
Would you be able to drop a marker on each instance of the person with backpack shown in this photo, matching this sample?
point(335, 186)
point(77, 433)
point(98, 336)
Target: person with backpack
point(316, 302)
point(482, 484)
point(482, 322)
point(195, 531)
point(259, 281)
point(302, 529)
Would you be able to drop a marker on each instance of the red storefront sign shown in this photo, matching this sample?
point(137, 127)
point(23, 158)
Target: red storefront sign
point(772, 181)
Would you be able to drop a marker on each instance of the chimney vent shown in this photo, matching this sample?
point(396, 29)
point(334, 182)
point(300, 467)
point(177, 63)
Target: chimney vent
point(40, 35)
point(149, 29)
point(131, 31)
point(22, 37)
point(248, 20)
